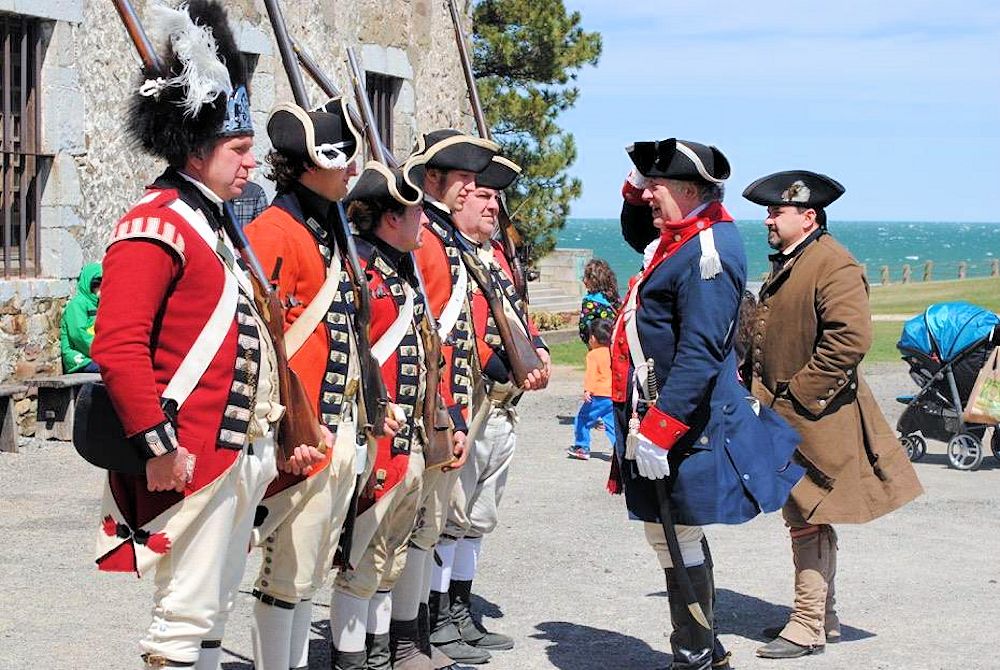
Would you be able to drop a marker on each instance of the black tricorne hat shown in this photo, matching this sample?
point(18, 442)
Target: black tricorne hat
point(679, 159)
point(325, 136)
point(380, 183)
point(499, 174)
point(800, 188)
point(199, 93)
point(450, 149)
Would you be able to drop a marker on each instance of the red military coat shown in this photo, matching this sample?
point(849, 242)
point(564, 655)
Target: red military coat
point(161, 283)
point(403, 370)
point(440, 268)
point(281, 239)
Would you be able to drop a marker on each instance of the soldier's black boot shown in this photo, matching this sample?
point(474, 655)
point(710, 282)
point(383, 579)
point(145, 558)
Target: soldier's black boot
point(347, 660)
point(460, 594)
point(720, 656)
point(690, 642)
point(404, 647)
point(378, 651)
point(445, 635)
point(438, 658)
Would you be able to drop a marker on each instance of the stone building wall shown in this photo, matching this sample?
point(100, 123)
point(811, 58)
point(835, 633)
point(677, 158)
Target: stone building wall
point(90, 66)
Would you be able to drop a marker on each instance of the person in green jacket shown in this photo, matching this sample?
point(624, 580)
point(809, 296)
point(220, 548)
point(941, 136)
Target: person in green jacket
point(76, 330)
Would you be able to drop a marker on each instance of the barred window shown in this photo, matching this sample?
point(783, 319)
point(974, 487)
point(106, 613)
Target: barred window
point(383, 90)
point(23, 166)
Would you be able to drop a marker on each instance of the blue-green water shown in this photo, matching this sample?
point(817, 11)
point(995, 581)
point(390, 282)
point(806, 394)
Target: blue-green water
point(874, 243)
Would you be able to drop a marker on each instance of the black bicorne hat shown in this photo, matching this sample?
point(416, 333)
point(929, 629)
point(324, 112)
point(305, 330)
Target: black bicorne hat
point(794, 187)
point(450, 149)
point(326, 137)
point(199, 93)
point(380, 183)
point(679, 159)
point(499, 174)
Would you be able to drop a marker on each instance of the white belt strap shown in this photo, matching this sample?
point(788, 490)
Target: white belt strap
point(315, 311)
point(635, 351)
point(214, 332)
point(391, 338)
point(453, 308)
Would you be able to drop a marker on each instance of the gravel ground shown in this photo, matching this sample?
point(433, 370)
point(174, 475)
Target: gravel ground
point(565, 573)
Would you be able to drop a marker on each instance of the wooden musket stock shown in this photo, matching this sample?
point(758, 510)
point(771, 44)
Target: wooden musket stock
point(438, 452)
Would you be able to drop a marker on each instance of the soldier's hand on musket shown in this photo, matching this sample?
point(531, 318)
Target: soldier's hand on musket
point(305, 456)
point(171, 471)
point(539, 378)
point(459, 450)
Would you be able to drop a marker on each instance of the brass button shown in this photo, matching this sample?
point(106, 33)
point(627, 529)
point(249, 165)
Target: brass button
point(822, 402)
point(677, 238)
point(663, 424)
point(263, 583)
point(704, 439)
point(829, 391)
point(840, 382)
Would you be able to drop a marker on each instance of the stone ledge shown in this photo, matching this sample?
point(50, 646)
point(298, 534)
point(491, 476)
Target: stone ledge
point(31, 289)
point(58, 10)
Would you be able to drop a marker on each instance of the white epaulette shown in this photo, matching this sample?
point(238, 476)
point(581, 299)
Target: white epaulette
point(149, 228)
point(711, 264)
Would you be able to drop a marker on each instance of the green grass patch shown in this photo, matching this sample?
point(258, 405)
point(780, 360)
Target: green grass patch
point(884, 337)
point(914, 298)
point(569, 353)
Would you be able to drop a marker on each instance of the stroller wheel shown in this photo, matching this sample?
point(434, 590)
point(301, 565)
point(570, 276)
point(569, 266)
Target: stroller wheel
point(915, 446)
point(995, 443)
point(965, 452)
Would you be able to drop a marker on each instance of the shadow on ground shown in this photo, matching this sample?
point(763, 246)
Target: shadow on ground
point(747, 617)
point(576, 647)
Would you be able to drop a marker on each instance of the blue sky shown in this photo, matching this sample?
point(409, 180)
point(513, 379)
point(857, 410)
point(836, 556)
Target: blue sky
point(899, 101)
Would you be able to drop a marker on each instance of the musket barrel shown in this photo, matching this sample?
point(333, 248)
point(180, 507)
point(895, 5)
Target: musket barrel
point(133, 25)
point(287, 56)
point(470, 78)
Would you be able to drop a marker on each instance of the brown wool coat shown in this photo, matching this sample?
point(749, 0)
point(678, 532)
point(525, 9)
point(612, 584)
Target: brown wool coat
point(811, 329)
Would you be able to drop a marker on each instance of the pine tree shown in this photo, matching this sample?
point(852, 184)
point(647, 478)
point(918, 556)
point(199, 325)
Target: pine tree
point(526, 56)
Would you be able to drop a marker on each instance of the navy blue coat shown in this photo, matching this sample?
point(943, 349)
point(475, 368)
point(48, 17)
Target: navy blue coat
point(731, 464)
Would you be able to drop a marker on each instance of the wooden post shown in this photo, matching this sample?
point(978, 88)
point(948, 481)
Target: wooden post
point(906, 273)
point(962, 269)
point(995, 267)
point(928, 270)
point(885, 275)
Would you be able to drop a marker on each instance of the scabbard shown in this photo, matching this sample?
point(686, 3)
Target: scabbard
point(674, 549)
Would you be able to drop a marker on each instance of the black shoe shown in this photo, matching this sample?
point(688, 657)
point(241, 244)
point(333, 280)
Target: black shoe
point(779, 647)
point(832, 636)
point(404, 647)
point(348, 660)
point(446, 636)
point(378, 652)
point(460, 594)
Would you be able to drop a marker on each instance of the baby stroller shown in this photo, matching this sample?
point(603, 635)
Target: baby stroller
point(945, 348)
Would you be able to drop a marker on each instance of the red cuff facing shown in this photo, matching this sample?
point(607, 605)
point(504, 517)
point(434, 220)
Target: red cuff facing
point(661, 429)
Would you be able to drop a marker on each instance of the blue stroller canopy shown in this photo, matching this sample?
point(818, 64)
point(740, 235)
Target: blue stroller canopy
point(947, 329)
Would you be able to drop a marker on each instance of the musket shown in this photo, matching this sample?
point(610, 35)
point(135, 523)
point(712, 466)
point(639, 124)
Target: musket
point(667, 520)
point(437, 424)
point(298, 425)
point(375, 397)
point(372, 384)
point(510, 237)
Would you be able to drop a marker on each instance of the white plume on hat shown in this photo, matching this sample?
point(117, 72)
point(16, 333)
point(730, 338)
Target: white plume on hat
point(204, 76)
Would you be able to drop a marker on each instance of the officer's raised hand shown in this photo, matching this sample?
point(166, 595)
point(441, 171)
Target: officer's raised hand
point(651, 459)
